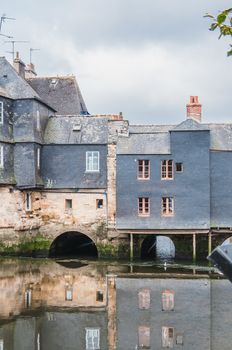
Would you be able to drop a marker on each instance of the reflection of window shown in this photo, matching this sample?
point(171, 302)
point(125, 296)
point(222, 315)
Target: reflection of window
point(167, 300)
point(38, 341)
point(1, 157)
point(144, 299)
point(1, 116)
point(99, 296)
point(28, 298)
point(99, 203)
point(28, 201)
point(143, 169)
point(1, 344)
point(68, 294)
point(144, 337)
point(167, 169)
point(167, 337)
point(144, 206)
point(179, 339)
point(92, 161)
point(92, 338)
point(167, 206)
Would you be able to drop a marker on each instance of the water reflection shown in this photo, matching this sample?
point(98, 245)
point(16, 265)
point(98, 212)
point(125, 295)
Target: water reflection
point(70, 305)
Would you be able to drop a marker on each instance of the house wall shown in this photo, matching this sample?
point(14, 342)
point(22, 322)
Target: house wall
point(190, 189)
point(64, 166)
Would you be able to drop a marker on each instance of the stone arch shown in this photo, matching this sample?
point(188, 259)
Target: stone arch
point(157, 246)
point(73, 244)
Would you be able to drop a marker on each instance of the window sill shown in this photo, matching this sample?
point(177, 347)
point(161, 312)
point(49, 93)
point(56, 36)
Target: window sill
point(167, 215)
point(167, 179)
point(143, 179)
point(143, 215)
point(92, 171)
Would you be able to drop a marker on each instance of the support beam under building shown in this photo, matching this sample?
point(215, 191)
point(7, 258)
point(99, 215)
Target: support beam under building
point(131, 247)
point(209, 243)
point(194, 247)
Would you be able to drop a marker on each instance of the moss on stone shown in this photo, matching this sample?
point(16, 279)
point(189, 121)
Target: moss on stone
point(107, 250)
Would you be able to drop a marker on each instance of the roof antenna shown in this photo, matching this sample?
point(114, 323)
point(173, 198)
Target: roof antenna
point(31, 50)
point(13, 46)
point(2, 20)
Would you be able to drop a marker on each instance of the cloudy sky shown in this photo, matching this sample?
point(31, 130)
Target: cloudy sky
point(140, 57)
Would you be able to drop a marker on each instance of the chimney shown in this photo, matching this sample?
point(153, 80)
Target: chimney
point(19, 66)
point(30, 71)
point(194, 109)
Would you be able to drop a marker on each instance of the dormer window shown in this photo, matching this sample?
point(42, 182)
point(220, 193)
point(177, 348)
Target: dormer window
point(1, 112)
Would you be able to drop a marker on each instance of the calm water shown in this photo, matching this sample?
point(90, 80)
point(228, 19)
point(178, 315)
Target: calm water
point(78, 305)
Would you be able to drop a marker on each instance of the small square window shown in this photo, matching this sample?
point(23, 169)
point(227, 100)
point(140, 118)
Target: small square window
point(99, 203)
point(68, 294)
point(1, 112)
point(99, 296)
point(179, 167)
point(179, 339)
point(68, 204)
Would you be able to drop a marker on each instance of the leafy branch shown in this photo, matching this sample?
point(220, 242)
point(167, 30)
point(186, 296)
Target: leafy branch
point(223, 21)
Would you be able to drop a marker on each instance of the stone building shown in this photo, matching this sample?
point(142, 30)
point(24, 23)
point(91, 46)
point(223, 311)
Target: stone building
point(72, 183)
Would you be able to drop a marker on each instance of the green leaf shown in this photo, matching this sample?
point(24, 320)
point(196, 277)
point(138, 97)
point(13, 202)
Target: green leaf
point(207, 15)
point(227, 11)
point(213, 26)
point(229, 53)
point(221, 17)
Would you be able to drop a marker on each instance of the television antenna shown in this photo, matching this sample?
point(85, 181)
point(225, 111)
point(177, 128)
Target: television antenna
point(2, 20)
point(13, 46)
point(31, 50)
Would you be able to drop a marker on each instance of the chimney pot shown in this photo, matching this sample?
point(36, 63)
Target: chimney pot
point(194, 109)
point(19, 66)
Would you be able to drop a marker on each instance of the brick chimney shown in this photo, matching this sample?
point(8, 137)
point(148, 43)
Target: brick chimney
point(19, 66)
point(30, 71)
point(194, 109)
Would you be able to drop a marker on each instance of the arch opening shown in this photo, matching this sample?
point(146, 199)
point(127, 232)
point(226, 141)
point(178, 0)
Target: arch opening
point(157, 247)
point(73, 245)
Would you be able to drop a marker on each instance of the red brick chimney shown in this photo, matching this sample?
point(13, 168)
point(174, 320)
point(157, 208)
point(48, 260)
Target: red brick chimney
point(194, 109)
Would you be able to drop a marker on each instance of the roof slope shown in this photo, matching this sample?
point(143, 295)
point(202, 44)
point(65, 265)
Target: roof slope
point(62, 93)
point(12, 85)
point(156, 143)
point(190, 125)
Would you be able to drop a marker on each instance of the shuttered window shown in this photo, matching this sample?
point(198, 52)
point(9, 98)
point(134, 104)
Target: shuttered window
point(144, 337)
point(144, 298)
point(92, 338)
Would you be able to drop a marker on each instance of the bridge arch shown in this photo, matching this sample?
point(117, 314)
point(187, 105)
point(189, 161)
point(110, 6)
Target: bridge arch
point(157, 246)
point(73, 244)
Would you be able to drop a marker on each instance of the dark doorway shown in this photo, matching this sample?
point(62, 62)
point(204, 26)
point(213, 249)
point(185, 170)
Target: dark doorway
point(73, 244)
point(148, 248)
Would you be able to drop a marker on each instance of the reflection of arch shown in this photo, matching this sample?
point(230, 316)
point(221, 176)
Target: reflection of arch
point(73, 244)
point(155, 246)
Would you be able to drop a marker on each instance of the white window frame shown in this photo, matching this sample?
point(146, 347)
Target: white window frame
point(90, 335)
point(38, 158)
point(1, 118)
point(90, 164)
point(28, 201)
point(1, 158)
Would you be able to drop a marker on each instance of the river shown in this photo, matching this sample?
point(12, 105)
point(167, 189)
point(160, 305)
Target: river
point(78, 304)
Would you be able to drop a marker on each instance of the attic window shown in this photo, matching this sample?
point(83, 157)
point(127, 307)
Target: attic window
point(53, 83)
point(76, 127)
point(179, 167)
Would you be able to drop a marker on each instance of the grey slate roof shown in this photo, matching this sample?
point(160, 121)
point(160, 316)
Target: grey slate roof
point(220, 136)
point(156, 143)
point(12, 85)
point(76, 130)
point(62, 93)
point(149, 129)
point(190, 124)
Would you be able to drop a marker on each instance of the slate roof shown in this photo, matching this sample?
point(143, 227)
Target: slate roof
point(191, 125)
point(12, 85)
point(76, 130)
point(62, 93)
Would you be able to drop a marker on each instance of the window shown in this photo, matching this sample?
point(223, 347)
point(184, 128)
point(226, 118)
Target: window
point(179, 167)
point(92, 338)
point(166, 169)
point(37, 121)
point(99, 296)
point(167, 206)
point(143, 169)
point(179, 339)
point(99, 203)
point(68, 294)
point(144, 206)
point(28, 298)
point(167, 337)
point(68, 204)
point(144, 298)
point(38, 158)
point(1, 344)
point(1, 116)
point(28, 201)
point(92, 161)
point(1, 157)
point(167, 300)
point(144, 337)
